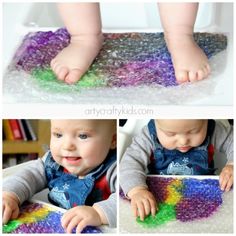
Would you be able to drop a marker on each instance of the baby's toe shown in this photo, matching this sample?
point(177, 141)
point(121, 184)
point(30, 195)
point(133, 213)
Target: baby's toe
point(204, 72)
point(55, 66)
point(59, 70)
point(62, 73)
point(73, 76)
point(181, 76)
point(208, 69)
point(201, 74)
point(192, 76)
point(53, 63)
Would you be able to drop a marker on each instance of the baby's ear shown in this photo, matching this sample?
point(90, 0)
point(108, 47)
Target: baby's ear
point(113, 142)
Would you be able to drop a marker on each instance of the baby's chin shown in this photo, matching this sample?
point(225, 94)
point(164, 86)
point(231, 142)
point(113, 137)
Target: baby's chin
point(78, 171)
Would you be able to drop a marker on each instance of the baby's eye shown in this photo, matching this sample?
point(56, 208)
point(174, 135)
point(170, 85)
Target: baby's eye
point(170, 134)
point(57, 135)
point(194, 131)
point(83, 136)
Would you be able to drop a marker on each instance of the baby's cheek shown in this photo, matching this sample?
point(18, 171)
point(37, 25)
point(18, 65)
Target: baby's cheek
point(54, 149)
point(167, 142)
point(197, 140)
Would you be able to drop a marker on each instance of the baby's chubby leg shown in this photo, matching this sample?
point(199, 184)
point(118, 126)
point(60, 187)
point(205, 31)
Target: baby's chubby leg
point(189, 61)
point(83, 23)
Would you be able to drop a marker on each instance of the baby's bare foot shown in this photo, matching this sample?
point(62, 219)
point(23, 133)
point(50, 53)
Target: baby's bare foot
point(189, 61)
point(74, 60)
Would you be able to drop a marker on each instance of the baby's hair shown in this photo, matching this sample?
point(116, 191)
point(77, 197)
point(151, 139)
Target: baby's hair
point(112, 123)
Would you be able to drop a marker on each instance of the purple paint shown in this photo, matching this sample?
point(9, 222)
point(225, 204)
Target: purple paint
point(189, 209)
point(129, 59)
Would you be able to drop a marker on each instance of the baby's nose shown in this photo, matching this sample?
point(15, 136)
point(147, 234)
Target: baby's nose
point(183, 140)
point(68, 144)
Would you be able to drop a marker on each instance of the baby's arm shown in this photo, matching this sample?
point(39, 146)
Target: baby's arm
point(27, 181)
point(133, 173)
point(10, 206)
point(135, 161)
point(101, 213)
point(222, 139)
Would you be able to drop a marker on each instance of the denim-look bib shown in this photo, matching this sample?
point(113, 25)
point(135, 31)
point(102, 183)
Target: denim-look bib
point(174, 162)
point(67, 190)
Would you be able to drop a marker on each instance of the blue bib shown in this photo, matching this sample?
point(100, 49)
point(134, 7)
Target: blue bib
point(67, 190)
point(174, 162)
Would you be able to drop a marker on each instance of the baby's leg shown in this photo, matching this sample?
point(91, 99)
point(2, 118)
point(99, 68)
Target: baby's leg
point(83, 22)
point(190, 62)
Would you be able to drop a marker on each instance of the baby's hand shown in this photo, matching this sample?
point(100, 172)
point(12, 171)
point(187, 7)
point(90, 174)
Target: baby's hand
point(80, 217)
point(226, 178)
point(142, 202)
point(10, 207)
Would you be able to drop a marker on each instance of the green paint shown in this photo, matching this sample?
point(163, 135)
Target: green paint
point(11, 226)
point(165, 213)
point(47, 79)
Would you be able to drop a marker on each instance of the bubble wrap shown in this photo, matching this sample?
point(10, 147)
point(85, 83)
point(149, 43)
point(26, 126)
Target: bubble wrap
point(39, 218)
point(137, 63)
point(129, 59)
point(182, 201)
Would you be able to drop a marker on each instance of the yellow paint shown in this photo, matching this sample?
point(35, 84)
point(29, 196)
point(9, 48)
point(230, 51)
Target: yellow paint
point(174, 193)
point(35, 216)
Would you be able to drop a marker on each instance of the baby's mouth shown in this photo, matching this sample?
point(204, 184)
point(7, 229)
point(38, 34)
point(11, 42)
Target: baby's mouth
point(73, 159)
point(185, 148)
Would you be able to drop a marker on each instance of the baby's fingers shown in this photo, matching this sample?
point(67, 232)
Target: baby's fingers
point(147, 207)
point(72, 224)
point(15, 213)
point(223, 183)
point(229, 184)
point(141, 210)
point(134, 208)
point(153, 207)
point(81, 226)
point(66, 218)
point(224, 178)
point(7, 212)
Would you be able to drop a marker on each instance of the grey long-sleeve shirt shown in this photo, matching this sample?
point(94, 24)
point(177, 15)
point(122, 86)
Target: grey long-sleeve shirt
point(134, 163)
point(32, 179)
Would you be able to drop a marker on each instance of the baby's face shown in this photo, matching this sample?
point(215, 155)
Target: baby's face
point(181, 134)
point(81, 145)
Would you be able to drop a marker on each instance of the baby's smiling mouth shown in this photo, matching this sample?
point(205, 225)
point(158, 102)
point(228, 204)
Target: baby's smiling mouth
point(73, 159)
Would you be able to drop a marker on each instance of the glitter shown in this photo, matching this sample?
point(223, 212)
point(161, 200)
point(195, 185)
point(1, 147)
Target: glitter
point(166, 212)
point(183, 199)
point(11, 226)
point(174, 192)
point(128, 59)
point(39, 218)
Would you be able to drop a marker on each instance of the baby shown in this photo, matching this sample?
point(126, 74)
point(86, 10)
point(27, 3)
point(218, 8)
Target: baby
point(83, 22)
point(79, 170)
point(173, 147)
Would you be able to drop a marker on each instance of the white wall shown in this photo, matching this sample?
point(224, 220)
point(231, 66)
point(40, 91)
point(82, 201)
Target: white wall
point(115, 15)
